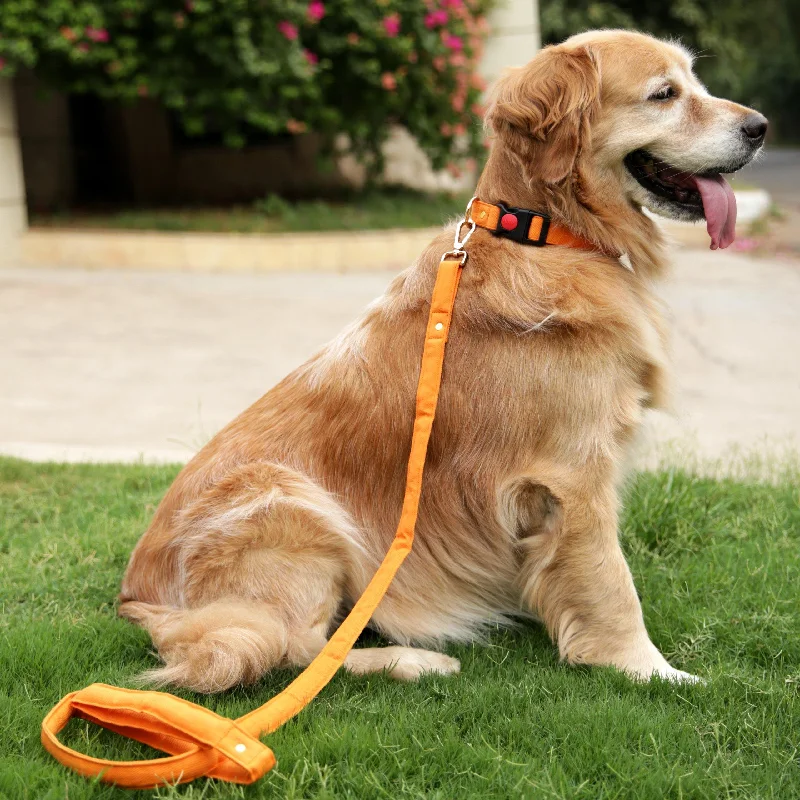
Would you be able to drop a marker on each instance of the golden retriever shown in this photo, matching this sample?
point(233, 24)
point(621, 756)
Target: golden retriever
point(275, 527)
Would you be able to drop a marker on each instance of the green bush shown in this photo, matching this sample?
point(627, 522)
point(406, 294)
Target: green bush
point(243, 68)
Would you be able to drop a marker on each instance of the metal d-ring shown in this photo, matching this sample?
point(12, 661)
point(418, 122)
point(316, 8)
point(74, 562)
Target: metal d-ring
point(461, 255)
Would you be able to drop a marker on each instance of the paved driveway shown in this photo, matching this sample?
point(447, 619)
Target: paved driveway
point(114, 366)
point(777, 171)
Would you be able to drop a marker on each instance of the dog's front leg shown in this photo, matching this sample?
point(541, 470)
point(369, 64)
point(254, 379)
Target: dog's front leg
point(575, 577)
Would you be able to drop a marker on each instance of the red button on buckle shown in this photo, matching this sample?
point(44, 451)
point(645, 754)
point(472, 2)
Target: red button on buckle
point(508, 222)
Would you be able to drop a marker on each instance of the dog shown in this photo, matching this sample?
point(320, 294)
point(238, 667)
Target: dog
point(275, 527)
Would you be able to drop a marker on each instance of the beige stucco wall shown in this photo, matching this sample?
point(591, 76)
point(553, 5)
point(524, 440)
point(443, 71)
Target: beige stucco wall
point(13, 217)
point(515, 37)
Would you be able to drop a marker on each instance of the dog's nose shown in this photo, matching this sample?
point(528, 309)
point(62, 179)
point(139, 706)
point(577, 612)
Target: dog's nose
point(755, 127)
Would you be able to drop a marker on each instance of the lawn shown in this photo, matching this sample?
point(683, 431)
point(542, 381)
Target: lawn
point(390, 207)
point(716, 562)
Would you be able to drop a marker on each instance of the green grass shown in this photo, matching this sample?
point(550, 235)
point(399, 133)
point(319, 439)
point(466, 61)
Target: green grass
point(718, 567)
point(373, 210)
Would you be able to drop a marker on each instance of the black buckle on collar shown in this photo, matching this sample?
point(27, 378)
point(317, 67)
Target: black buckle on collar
point(519, 233)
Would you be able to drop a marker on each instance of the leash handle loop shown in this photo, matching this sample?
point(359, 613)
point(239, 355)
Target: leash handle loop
point(201, 742)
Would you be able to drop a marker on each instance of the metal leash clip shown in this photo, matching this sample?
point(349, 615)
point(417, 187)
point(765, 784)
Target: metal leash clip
point(458, 242)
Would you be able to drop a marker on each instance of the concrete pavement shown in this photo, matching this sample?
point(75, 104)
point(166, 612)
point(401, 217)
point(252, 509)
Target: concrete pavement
point(736, 356)
point(106, 366)
point(117, 365)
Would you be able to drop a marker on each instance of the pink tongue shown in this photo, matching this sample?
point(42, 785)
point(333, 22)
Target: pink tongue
point(719, 205)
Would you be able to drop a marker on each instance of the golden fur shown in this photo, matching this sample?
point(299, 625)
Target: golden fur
point(275, 526)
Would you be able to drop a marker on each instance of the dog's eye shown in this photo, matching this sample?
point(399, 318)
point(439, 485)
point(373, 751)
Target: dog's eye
point(665, 93)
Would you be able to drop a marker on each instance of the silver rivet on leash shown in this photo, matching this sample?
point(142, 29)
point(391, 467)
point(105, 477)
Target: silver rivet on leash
point(438, 326)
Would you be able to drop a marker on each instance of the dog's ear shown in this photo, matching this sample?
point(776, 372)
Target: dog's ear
point(542, 112)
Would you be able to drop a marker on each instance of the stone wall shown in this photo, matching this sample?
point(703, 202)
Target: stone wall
point(13, 218)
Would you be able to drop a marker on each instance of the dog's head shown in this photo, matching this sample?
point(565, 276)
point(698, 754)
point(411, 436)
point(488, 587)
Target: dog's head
point(623, 113)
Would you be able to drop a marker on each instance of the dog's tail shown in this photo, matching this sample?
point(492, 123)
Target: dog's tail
point(211, 648)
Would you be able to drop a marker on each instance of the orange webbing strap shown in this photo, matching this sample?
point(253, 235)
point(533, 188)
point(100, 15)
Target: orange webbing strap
point(199, 741)
point(487, 215)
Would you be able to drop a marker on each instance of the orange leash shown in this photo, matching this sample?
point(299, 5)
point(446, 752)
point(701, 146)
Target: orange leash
point(199, 741)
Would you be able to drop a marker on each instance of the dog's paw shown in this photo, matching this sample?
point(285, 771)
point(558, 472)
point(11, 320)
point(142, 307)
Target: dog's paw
point(401, 663)
point(677, 676)
point(412, 666)
point(662, 670)
point(644, 662)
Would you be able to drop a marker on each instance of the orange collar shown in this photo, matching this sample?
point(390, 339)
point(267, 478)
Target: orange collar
point(524, 226)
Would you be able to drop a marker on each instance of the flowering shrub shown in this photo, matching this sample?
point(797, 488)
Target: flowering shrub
point(280, 66)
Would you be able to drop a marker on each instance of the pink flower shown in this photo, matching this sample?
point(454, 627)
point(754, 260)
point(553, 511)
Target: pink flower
point(97, 34)
point(353, 38)
point(287, 29)
point(391, 24)
point(745, 245)
point(388, 81)
point(452, 3)
point(68, 34)
point(457, 103)
point(312, 58)
point(435, 18)
point(446, 129)
point(477, 82)
point(458, 60)
point(316, 10)
point(459, 130)
point(83, 47)
point(454, 42)
point(478, 109)
point(439, 63)
point(295, 126)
